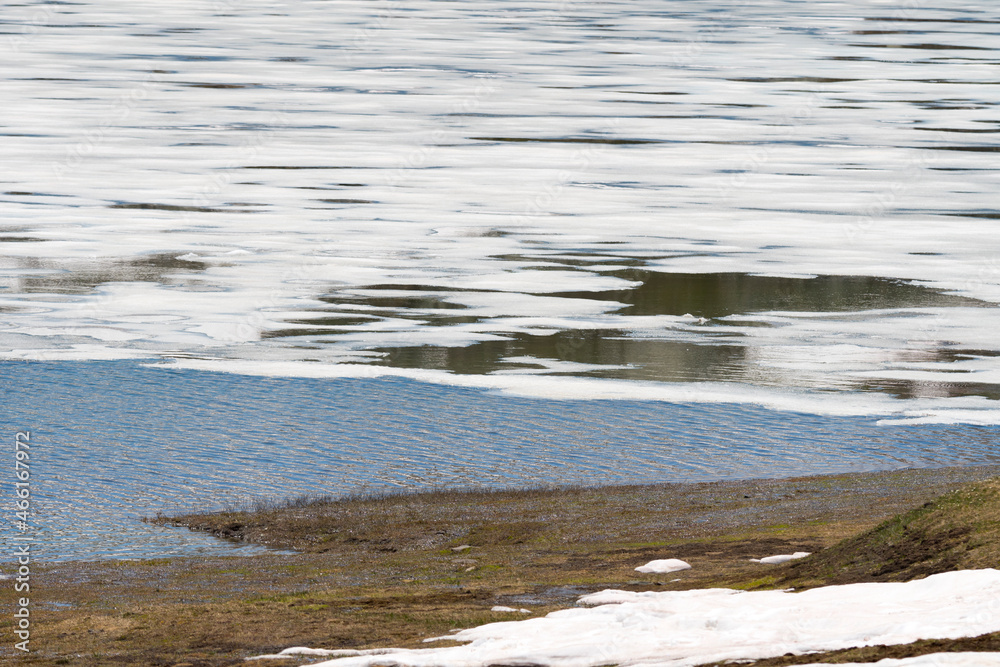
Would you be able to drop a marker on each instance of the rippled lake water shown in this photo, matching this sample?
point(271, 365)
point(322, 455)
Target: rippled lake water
point(726, 212)
point(115, 441)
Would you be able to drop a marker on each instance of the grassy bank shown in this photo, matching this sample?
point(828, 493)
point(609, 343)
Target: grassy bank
point(393, 570)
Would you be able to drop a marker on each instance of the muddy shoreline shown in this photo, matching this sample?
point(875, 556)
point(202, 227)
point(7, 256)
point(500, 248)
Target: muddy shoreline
point(393, 570)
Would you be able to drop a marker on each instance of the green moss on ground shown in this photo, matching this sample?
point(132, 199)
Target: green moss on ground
point(959, 530)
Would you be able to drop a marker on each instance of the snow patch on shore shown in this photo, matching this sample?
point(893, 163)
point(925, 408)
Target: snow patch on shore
point(781, 558)
point(685, 628)
point(663, 566)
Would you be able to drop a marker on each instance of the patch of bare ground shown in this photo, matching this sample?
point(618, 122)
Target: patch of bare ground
point(394, 570)
point(988, 642)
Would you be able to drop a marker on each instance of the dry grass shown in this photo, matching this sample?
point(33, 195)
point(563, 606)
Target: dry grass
point(957, 531)
point(640, 514)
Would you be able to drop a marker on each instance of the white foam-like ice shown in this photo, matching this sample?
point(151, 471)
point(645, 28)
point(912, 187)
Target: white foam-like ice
point(961, 409)
point(194, 180)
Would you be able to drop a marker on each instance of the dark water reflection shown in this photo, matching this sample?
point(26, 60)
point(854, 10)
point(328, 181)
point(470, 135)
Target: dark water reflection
point(645, 359)
point(84, 276)
point(713, 295)
point(714, 352)
point(657, 360)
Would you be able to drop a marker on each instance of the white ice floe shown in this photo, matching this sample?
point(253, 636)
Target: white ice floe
point(663, 566)
point(685, 628)
point(979, 410)
point(782, 558)
point(503, 168)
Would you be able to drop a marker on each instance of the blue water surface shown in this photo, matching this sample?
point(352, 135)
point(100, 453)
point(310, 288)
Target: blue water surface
point(115, 441)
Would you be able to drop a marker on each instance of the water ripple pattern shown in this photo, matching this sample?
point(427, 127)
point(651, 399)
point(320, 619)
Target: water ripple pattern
point(113, 441)
point(493, 188)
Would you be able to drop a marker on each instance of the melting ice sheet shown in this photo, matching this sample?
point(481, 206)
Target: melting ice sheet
point(794, 200)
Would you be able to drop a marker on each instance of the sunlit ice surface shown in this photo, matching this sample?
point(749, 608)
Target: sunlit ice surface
point(782, 203)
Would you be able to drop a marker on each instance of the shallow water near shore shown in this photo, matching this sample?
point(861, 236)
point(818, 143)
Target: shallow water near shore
point(114, 441)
